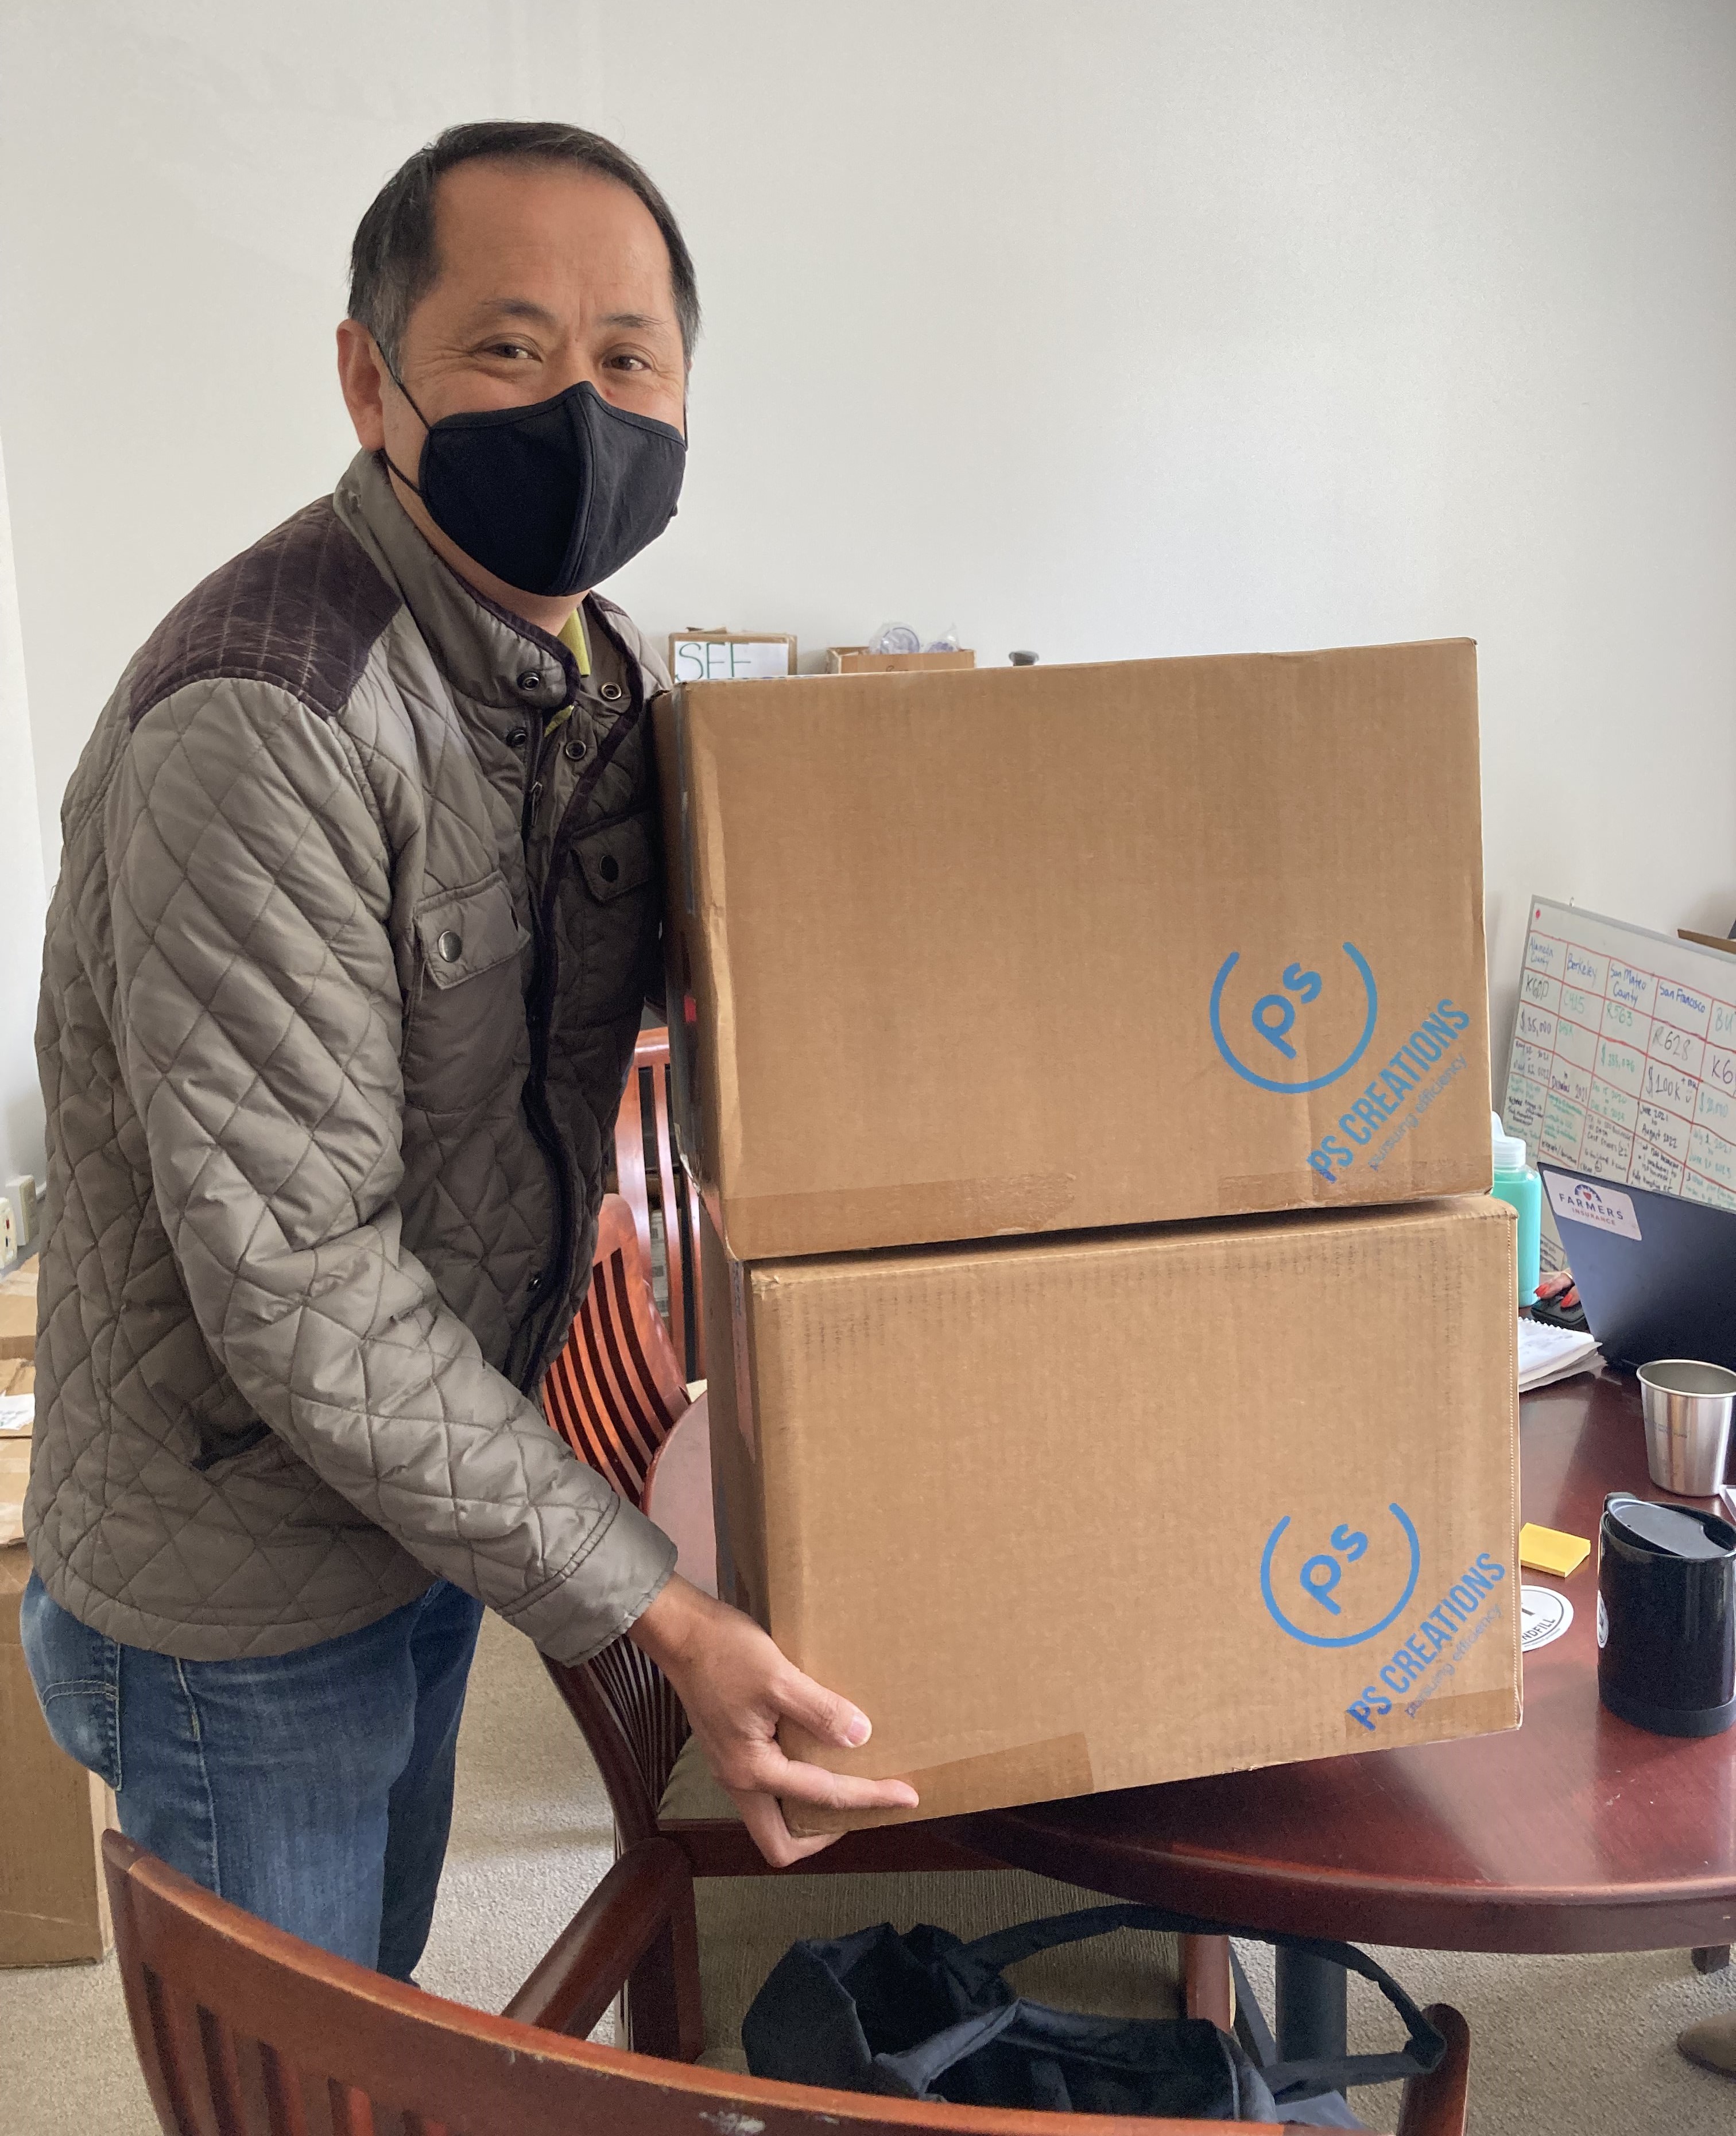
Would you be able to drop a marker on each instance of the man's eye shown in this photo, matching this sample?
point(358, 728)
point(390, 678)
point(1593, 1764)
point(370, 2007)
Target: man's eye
point(627, 361)
point(512, 348)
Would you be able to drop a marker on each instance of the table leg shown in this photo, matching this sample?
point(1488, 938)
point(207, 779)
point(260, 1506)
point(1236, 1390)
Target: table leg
point(1711, 1957)
point(1312, 2022)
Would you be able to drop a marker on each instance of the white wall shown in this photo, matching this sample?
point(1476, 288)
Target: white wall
point(22, 895)
point(1104, 328)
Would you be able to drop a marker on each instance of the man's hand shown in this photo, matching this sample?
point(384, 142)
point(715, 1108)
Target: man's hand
point(737, 1685)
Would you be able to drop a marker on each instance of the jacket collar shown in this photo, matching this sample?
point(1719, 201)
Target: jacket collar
point(494, 658)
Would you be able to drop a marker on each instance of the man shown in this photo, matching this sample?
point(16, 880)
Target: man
point(357, 907)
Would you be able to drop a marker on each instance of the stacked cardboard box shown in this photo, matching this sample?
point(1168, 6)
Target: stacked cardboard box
point(53, 1906)
point(1086, 1072)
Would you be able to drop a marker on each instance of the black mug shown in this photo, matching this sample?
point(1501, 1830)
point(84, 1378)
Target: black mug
point(1666, 1616)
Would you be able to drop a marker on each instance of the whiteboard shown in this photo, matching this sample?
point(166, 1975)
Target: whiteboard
point(1624, 1055)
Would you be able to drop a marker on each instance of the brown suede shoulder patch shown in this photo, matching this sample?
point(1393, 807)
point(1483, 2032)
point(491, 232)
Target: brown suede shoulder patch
point(302, 608)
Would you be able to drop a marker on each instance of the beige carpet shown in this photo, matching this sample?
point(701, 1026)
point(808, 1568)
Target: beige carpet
point(1561, 2047)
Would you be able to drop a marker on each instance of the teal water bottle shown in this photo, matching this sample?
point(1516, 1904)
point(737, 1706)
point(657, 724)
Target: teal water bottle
point(1514, 1181)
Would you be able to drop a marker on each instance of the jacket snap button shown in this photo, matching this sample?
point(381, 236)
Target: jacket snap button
point(611, 693)
point(575, 749)
point(535, 1285)
point(533, 680)
point(608, 867)
point(451, 946)
point(517, 737)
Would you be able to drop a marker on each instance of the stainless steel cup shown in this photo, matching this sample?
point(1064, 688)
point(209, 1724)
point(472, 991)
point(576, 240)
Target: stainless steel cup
point(1688, 1407)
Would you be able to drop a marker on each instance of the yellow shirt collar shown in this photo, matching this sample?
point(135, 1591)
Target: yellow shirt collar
point(573, 638)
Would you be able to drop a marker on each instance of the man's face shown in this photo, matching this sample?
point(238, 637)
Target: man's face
point(548, 275)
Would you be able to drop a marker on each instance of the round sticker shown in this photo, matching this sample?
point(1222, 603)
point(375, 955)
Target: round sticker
point(1544, 1615)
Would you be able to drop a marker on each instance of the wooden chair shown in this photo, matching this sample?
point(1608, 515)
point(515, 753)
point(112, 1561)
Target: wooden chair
point(243, 2031)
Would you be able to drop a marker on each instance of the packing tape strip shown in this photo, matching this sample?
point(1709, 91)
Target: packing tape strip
point(1033, 1772)
point(1257, 1193)
point(934, 1210)
point(761, 1226)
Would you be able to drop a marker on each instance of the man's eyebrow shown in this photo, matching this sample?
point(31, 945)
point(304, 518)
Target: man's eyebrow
point(535, 314)
point(517, 307)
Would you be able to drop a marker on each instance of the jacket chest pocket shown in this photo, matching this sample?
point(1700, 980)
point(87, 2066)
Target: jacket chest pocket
point(619, 865)
point(464, 1032)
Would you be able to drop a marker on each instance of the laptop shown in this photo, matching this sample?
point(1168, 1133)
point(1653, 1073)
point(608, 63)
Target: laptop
point(1655, 1274)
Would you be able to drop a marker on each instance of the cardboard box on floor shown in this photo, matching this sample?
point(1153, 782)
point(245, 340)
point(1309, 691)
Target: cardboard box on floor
point(1089, 1512)
point(54, 1906)
point(1047, 948)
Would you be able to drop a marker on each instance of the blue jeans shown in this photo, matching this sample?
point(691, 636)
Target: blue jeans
point(314, 1787)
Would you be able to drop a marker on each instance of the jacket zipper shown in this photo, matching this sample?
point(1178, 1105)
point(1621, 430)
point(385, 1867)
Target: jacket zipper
point(558, 1275)
point(536, 1115)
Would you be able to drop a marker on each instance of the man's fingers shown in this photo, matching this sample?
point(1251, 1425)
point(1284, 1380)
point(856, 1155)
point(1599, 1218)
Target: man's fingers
point(814, 1784)
point(822, 1712)
point(762, 1768)
point(771, 1835)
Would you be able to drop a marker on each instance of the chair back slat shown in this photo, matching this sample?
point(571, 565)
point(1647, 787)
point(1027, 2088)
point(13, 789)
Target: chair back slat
point(690, 1262)
point(630, 1153)
point(615, 1388)
point(222, 2080)
point(649, 1097)
point(634, 1726)
point(282, 2110)
point(613, 1433)
point(170, 2061)
point(352, 2111)
point(680, 1203)
point(646, 1409)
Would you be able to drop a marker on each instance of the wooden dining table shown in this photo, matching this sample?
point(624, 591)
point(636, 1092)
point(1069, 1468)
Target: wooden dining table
point(1576, 1832)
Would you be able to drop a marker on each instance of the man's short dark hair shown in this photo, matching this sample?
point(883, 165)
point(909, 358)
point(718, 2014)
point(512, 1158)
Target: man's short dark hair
point(394, 261)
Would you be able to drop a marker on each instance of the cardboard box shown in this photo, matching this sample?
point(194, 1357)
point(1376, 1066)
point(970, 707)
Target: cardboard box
point(857, 660)
point(1068, 1515)
point(53, 1906)
point(18, 1323)
point(1043, 948)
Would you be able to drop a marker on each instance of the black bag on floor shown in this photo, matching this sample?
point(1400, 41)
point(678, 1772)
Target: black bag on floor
point(923, 2016)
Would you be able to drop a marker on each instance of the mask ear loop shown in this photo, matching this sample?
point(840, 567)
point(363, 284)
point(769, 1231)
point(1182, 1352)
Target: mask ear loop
point(415, 488)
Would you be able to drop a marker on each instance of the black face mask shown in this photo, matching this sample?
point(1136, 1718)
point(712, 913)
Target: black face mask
point(554, 497)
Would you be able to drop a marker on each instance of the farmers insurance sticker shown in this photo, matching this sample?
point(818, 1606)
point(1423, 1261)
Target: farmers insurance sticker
point(1605, 1208)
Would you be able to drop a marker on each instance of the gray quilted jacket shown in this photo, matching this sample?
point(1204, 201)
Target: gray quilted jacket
point(342, 978)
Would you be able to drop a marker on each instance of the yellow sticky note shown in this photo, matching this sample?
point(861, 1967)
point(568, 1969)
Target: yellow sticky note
point(1548, 1549)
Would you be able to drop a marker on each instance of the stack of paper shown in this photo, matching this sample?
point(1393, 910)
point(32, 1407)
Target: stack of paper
point(1546, 1354)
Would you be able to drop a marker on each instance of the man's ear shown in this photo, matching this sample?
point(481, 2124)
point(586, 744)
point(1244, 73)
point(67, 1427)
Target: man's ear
point(360, 368)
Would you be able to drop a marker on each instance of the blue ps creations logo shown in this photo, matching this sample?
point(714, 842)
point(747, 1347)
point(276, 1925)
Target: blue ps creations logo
point(1322, 1618)
point(1273, 1018)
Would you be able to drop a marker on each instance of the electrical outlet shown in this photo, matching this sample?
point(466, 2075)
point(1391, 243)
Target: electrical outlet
point(21, 1193)
point(8, 1234)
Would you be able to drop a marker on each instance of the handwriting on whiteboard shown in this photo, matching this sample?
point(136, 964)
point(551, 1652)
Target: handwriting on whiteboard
point(1624, 1055)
